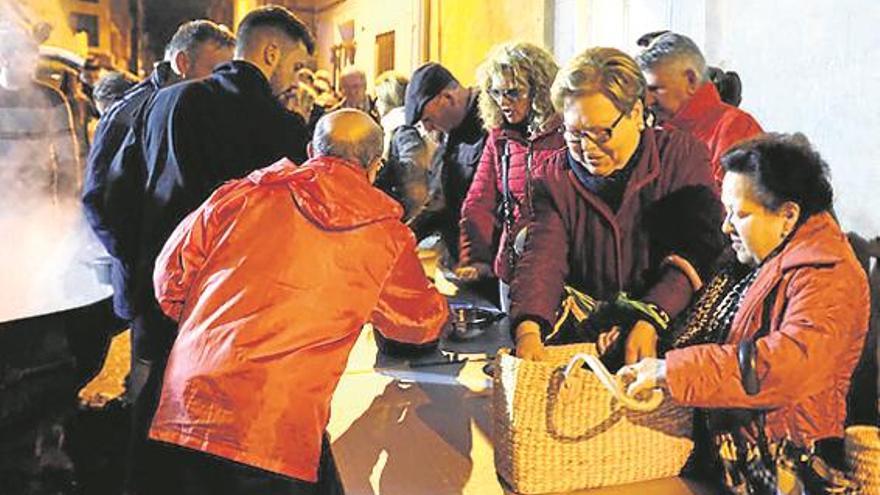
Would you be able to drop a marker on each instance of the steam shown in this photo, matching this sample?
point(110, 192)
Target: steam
point(48, 253)
point(49, 260)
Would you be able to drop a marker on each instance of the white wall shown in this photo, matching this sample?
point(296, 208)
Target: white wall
point(813, 67)
point(807, 65)
point(370, 19)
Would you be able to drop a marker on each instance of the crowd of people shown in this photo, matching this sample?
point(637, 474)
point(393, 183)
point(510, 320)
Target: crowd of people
point(257, 220)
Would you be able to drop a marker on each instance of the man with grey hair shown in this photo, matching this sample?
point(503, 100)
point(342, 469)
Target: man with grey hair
point(197, 47)
point(681, 95)
point(353, 86)
point(271, 281)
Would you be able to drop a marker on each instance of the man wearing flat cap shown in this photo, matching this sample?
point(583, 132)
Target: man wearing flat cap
point(436, 99)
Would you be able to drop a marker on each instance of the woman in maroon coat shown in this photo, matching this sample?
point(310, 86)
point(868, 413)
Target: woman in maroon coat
point(624, 209)
point(523, 132)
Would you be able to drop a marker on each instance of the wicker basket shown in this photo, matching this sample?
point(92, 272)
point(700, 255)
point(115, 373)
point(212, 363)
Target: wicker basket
point(863, 456)
point(556, 432)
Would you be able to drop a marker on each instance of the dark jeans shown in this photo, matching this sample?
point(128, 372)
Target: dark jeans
point(198, 473)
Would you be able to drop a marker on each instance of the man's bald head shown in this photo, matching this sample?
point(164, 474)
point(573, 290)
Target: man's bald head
point(348, 134)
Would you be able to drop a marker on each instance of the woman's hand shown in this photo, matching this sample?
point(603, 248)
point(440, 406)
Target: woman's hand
point(474, 271)
point(645, 375)
point(640, 343)
point(528, 341)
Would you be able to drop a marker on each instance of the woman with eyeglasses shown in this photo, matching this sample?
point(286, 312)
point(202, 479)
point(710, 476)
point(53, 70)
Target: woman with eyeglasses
point(625, 214)
point(524, 132)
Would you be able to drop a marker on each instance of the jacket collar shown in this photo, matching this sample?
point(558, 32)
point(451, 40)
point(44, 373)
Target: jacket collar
point(163, 75)
point(246, 75)
point(817, 242)
point(646, 170)
point(332, 193)
point(471, 128)
point(705, 102)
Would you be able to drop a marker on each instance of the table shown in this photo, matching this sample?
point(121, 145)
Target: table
point(415, 428)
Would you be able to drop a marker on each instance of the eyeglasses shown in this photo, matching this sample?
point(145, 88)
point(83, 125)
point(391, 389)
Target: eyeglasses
point(598, 135)
point(509, 93)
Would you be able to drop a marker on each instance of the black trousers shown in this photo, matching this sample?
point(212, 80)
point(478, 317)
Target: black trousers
point(198, 473)
point(144, 457)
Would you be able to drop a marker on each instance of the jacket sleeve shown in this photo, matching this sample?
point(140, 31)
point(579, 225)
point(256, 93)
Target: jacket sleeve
point(179, 263)
point(409, 310)
point(114, 195)
point(100, 155)
point(822, 329)
point(541, 272)
point(700, 243)
point(184, 253)
point(478, 211)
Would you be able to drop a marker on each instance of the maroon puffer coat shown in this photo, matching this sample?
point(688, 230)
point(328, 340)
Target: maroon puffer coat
point(481, 215)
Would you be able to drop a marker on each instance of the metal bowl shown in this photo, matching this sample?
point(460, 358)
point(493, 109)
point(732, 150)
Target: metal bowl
point(469, 322)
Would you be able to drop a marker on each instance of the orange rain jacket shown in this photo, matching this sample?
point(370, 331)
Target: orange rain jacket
point(271, 281)
point(715, 123)
point(817, 329)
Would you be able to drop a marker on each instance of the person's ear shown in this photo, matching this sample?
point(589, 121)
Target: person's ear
point(791, 213)
point(374, 168)
point(271, 54)
point(637, 114)
point(310, 150)
point(693, 80)
point(181, 63)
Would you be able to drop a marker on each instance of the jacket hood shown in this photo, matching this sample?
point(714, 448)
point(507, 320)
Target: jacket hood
point(332, 193)
point(819, 241)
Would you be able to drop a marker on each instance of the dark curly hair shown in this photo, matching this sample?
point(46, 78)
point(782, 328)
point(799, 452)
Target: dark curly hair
point(783, 167)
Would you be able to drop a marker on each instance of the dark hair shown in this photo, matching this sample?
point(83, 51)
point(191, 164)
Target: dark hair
point(728, 84)
point(275, 17)
point(190, 35)
point(111, 87)
point(783, 167)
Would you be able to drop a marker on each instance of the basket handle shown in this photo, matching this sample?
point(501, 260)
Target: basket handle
point(610, 382)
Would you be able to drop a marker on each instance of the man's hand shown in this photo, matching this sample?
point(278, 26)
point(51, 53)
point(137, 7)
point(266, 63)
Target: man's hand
point(474, 271)
point(645, 375)
point(528, 341)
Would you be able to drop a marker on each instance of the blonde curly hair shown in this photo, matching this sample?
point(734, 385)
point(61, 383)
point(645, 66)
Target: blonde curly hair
point(608, 71)
point(530, 67)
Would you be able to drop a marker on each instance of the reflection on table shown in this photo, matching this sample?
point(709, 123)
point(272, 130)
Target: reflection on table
point(423, 426)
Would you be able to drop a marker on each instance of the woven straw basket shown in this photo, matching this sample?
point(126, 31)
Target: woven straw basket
point(863, 456)
point(557, 431)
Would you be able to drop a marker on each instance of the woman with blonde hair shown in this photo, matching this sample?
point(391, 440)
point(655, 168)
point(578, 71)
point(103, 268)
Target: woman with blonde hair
point(625, 214)
point(523, 130)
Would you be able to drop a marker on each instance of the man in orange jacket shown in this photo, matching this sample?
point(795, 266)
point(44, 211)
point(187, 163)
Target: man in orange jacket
point(681, 95)
point(271, 281)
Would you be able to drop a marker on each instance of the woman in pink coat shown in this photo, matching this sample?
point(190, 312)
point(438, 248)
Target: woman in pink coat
point(523, 129)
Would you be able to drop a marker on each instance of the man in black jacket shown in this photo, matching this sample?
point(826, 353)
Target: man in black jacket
point(436, 99)
point(196, 136)
point(193, 51)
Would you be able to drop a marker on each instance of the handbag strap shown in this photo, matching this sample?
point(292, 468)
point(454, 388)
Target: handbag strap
point(613, 385)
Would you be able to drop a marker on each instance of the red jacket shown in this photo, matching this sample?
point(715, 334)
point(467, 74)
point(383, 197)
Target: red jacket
point(478, 213)
point(272, 280)
point(819, 319)
point(717, 124)
point(576, 239)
